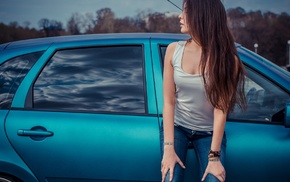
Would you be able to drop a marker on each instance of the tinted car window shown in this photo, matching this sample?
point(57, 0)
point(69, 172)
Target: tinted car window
point(12, 73)
point(99, 79)
point(162, 54)
point(265, 100)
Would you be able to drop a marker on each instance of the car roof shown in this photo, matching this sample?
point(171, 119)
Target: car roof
point(43, 43)
point(73, 38)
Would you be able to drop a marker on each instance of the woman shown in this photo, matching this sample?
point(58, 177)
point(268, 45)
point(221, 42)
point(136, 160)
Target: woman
point(203, 80)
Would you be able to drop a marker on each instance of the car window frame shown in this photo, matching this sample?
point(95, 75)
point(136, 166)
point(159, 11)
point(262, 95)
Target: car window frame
point(271, 81)
point(30, 95)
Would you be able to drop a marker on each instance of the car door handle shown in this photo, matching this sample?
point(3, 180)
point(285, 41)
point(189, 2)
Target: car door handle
point(34, 133)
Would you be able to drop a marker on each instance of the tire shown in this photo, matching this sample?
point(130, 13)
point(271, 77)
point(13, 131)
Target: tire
point(6, 178)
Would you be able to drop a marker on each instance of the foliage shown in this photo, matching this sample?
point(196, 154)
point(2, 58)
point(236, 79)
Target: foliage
point(13, 32)
point(269, 30)
point(50, 27)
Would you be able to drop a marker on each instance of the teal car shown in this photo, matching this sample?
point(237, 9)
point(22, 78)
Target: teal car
point(89, 108)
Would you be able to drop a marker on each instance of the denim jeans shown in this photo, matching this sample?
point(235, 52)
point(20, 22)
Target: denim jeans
point(201, 142)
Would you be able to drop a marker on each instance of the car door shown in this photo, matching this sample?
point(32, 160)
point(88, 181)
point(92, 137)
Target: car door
point(88, 114)
point(258, 144)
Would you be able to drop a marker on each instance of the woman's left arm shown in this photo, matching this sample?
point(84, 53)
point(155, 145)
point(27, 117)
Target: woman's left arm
point(218, 129)
point(215, 167)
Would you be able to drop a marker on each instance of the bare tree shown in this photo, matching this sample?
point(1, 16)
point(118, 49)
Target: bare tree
point(89, 23)
point(50, 27)
point(105, 21)
point(74, 24)
point(269, 30)
point(161, 22)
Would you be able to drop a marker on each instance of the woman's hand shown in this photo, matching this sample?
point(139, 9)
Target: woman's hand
point(169, 160)
point(215, 168)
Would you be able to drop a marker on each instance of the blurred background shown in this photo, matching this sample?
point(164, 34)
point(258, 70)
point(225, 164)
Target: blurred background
point(262, 26)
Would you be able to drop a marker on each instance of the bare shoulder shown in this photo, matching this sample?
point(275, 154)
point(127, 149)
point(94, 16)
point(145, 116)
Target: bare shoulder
point(170, 51)
point(171, 47)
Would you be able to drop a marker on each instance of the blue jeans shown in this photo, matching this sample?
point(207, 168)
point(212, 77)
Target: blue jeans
point(201, 142)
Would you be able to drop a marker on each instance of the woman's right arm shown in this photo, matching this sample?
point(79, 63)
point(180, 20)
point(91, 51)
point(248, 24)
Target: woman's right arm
point(169, 157)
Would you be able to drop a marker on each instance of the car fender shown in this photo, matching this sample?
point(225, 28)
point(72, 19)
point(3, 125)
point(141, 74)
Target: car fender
point(21, 172)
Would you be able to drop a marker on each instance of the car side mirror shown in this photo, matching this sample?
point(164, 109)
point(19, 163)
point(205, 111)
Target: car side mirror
point(287, 116)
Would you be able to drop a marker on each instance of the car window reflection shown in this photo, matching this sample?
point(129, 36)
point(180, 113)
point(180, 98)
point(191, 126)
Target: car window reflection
point(265, 100)
point(12, 73)
point(105, 79)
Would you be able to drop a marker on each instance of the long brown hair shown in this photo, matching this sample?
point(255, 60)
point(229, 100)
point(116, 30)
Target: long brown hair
point(222, 70)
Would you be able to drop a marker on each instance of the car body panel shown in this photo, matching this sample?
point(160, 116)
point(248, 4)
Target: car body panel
point(20, 96)
point(92, 146)
point(91, 142)
point(10, 161)
point(259, 148)
point(65, 127)
point(11, 53)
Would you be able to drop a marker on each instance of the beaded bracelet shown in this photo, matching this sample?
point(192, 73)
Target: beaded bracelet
point(213, 159)
point(214, 154)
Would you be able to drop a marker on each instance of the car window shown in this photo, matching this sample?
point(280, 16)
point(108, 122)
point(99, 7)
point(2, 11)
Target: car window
point(98, 79)
point(12, 73)
point(265, 100)
point(162, 55)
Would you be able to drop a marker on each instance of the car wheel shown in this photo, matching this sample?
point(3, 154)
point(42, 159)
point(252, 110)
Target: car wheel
point(6, 178)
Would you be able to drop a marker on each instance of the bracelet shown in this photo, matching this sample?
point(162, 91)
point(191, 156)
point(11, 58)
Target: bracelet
point(213, 159)
point(168, 143)
point(213, 154)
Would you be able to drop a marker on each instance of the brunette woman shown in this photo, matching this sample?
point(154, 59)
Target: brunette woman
point(203, 81)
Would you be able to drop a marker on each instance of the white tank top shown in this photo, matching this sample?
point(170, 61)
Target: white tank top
point(192, 108)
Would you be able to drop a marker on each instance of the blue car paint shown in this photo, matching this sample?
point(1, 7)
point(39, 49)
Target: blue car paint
point(102, 131)
point(10, 160)
point(268, 69)
point(267, 139)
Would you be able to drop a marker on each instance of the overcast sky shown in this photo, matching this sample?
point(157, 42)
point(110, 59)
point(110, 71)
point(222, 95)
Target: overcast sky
point(61, 10)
